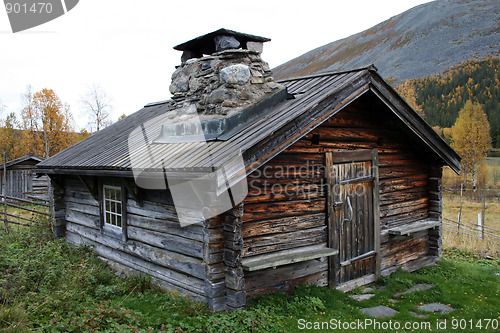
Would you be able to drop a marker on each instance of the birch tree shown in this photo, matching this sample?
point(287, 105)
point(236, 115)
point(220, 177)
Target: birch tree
point(97, 106)
point(471, 139)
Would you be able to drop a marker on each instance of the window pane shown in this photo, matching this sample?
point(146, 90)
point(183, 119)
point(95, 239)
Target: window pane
point(112, 205)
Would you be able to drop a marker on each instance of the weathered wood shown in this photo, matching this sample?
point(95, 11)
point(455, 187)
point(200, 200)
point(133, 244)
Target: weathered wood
point(176, 281)
point(82, 208)
point(167, 241)
point(91, 185)
point(355, 217)
point(282, 237)
point(263, 211)
point(351, 156)
point(194, 231)
point(333, 261)
point(271, 191)
point(403, 195)
point(80, 218)
point(364, 256)
point(279, 259)
point(350, 285)
point(376, 212)
point(317, 279)
point(270, 276)
point(173, 260)
point(400, 184)
point(407, 229)
point(276, 242)
point(403, 207)
point(286, 224)
point(232, 255)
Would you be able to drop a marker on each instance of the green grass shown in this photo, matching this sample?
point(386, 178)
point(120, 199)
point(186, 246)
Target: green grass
point(49, 286)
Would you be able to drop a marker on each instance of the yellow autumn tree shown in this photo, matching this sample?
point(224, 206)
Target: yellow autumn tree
point(406, 90)
point(471, 139)
point(9, 138)
point(48, 124)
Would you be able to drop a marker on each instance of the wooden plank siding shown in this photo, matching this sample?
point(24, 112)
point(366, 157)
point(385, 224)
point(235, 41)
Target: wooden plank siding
point(285, 209)
point(157, 245)
point(274, 220)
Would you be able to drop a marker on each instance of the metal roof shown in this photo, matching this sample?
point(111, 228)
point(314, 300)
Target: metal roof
point(128, 143)
point(21, 160)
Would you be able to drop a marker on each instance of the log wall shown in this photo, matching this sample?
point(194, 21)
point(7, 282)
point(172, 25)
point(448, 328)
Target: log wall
point(285, 210)
point(156, 244)
point(275, 219)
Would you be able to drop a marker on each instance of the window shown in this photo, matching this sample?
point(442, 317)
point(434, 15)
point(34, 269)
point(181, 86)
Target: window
point(112, 206)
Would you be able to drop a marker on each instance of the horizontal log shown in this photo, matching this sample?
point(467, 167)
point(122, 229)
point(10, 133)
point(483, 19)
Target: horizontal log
point(318, 240)
point(399, 184)
point(84, 209)
point(166, 241)
point(403, 207)
point(80, 218)
point(403, 195)
point(408, 217)
point(352, 134)
point(418, 263)
point(193, 231)
point(84, 198)
point(343, 120)
point(296, 160)
point(172, 260)
point(175, 281)
point(399, 171)
point(251, 243)
point(270, 276)
point(268, 191)
point(306, 147)
point(273, 210)
point(283, 225)
point(152, 209)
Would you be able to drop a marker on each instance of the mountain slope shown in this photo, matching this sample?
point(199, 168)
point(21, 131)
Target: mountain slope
point(419, 42)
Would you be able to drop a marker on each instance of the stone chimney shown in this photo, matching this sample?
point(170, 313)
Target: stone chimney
point(221, 74)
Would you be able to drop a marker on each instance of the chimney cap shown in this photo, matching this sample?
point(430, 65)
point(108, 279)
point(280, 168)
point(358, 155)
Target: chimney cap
point(205, 44)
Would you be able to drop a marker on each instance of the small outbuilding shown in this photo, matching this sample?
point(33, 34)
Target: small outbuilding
point(239, 185)
point(21, 181)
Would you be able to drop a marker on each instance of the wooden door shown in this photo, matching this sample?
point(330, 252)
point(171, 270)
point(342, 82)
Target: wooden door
point(353, 216)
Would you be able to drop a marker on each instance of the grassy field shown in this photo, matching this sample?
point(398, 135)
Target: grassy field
point(49, 286)
point(470, 209)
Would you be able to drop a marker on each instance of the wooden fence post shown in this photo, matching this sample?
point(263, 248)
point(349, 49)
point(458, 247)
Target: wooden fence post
point(4, 195)
point(483, 209)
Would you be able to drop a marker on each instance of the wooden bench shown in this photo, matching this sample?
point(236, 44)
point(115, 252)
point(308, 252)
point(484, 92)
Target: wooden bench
point(280, 259)
point(407, 229)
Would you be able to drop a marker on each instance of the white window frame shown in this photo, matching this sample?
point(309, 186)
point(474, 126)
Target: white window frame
point(114, 203)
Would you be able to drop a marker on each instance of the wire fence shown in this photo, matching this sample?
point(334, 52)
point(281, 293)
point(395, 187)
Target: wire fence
point(490, 194)
point(471, 230)
point(24, 212)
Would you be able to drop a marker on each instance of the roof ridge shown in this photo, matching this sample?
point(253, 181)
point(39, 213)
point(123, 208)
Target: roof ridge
point(312, 76)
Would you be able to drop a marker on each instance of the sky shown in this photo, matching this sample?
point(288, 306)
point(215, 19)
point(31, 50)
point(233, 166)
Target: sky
point(126, 46)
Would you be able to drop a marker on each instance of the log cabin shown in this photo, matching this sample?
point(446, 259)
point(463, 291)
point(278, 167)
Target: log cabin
point(20, 179)
point(329, 179)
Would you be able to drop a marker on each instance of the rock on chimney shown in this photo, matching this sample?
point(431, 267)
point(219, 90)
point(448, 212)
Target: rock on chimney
point(221, 74)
